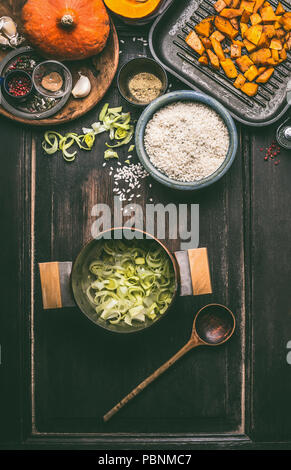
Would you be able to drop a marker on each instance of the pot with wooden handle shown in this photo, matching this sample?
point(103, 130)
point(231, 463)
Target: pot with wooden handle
point(64, 284)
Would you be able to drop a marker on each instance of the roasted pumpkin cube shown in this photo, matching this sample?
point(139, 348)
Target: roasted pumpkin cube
point(213, 59)
point(217, 35)
point(243, 28)
point(261, 56)
point(269, 29)
point(258, 5)
point(204, 28)
point(264, 41)
point(194, 42)
point(225, 27)
point(244, 63)
point(240, 81)
point(253, 34)
point(203, 60)
point(235, 51)
point(275, 55)
point(262, 69)
point(236, 42)
point(285, 21)
point(247, 5)
point(251, 73)
point(250, 88)
point(219, 5)
point(280, 33)
point(235, 23)
point(250, 47)
point(206, 42)
point(276, 44)
point(280, 10)
point(288, 42)
point(245, 17)
point(268, 14)
point(277, 25)
point(265, 76)
point(282, 55)
point(217, 49)
point(229, 68)
point(230, 13)
point(256, 19)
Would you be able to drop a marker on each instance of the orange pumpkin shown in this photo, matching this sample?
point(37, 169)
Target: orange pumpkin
point(66, 29)
point(133, 9)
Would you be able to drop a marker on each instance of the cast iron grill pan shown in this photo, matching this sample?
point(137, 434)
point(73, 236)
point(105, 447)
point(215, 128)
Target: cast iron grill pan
point(168, 46)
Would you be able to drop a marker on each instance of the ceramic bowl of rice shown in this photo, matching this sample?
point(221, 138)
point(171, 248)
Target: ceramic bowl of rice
point(186, 140)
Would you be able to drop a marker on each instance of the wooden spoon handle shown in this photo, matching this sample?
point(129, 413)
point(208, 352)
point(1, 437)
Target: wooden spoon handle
point(190, 345)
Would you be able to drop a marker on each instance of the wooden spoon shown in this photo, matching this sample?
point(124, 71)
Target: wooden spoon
point(213, 325)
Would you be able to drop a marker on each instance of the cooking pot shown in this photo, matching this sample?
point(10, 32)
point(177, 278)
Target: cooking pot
point(64, 284)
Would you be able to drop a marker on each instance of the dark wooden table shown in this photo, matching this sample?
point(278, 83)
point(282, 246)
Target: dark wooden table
point(59, 373)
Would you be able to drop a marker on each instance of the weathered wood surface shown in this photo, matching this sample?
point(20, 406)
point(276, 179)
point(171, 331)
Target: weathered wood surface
point(79, 371)
point(100, 70)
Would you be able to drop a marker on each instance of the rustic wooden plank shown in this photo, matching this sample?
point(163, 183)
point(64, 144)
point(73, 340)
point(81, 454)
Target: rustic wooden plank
point(12, 190)
point(270, 282)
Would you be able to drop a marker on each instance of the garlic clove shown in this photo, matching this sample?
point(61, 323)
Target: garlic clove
point(8, 27)
point(82, 87)
point(3, 41)
point(16, 40)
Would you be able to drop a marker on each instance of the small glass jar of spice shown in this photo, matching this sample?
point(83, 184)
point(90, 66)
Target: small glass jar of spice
point(141, 81)
point(18, 85)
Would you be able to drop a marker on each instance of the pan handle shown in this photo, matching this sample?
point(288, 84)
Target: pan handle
point(57, 292)
point(195, 278)
point(56, 285)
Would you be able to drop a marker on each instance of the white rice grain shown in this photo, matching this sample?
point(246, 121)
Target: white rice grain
point(186, 141)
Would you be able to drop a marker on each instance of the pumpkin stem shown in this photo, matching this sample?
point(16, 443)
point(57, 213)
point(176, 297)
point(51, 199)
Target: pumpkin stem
point(67, 21)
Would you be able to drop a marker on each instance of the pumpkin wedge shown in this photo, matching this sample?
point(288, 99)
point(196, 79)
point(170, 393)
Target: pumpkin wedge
point(213, 59)
point(250, 88)
point(132, 9)
point(229, 68)
point(280, 10)
point(253, 34)
point(265, 76)
point(225, 27)
point(218, 49)
point(240, 81)
point(204, 28)
point(194, 42)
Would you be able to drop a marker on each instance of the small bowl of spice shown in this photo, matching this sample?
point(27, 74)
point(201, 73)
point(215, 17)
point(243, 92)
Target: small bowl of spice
point(18, 85)
point(52, 79)
point(141, 81)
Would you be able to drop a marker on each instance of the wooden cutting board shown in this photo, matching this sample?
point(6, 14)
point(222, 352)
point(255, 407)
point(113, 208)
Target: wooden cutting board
point(100, 69)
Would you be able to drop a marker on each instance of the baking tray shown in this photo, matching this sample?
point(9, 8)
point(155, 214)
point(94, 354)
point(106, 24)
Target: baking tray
point(168, 47)
point(21, 109)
